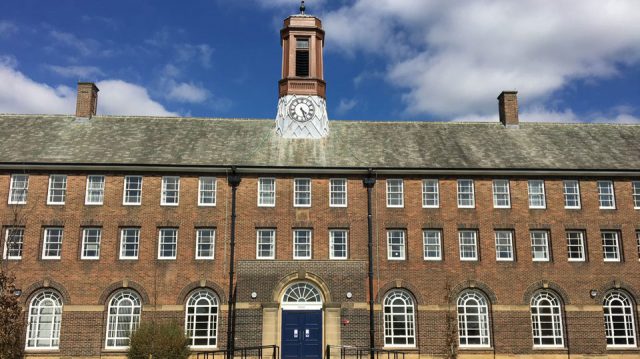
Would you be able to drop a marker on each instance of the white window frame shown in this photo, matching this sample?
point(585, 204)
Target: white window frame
point(208, 303)
point(209, 192)
point(500, 184)
point(616, 246)
point(121, 255)
point(52, 309)
point(553, 310)
point(638, 243)
point(427, 184)
point(401, 246)
point(332, 238)
point(623, 311)
point(477, 302)
point(509, 237)
point(399, 192)
point(297, 193)
point(405, 310)
point(85, 237)
point(261, 198)
point(15, 192)
point(462, 245)
point(541, 195)
point(471, 194)
point(271, 235)
point(296, 243)
point(547, 255)
point(165, 191)
point(426, 244)
point(116, 311)
point(6, 253)
point(635, 190)
point(602, 195)
point(99, 190)
point(63, 190)
point(126, 190)
point(565, 186)
point(579, 236)
point(333, 192)
point(164, 237)
point(46, 243)
point(200, 237)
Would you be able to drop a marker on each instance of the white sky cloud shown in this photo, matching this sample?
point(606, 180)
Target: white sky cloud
point(187, 92)
point(345, 106)
point(20, 94)
point(77, 72)
point(455, 57)
point(7, 28)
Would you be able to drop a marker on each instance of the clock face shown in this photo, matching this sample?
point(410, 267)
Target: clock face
point(301, 109)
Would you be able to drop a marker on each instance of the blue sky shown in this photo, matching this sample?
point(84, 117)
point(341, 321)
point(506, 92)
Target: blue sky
point(384, 59)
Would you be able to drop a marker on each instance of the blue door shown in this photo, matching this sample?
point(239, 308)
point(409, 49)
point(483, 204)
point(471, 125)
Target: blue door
point(302, 334)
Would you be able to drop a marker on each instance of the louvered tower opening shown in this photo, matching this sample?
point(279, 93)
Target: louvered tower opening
point(302, 57)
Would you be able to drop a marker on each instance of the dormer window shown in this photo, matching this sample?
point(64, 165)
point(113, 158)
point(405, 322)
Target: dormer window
point(302, 57)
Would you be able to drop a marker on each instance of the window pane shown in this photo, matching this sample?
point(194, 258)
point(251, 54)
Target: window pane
point(57, 189)
point(338, 244)
point(395, 197)
point(430, 193)
point(636, 194)
point(338, 192)
point(266, 192)
point(91, 243)
point(302, 192)
point(266, 245)
point(501, 197)
point(536, 194)
point(432, 244)
point(619, 320)
point(468, 245)
point(504, 245)
point(205, 243)
point(546, 320)
point(302, 244)
point(473, 319)
point(465, 193)
point(540, 245)
point(132, 189)
point(571, 194)
point(610, 247)
point(170, 190)
point(606, 195)
point(45, 318)
point(399, 319)
point(52, 243)
point(575, 245)
point(13, 243)
point(95, 190)
point(129, 242)
point(168, 243)
point(207, 191)
point(18, 189)
point(396, 245)
point(201, 324)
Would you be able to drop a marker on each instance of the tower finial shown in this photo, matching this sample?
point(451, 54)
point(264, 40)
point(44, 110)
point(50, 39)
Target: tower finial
point(302, 7)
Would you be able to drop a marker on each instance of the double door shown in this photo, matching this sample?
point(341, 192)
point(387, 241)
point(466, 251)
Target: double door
point(302, 334)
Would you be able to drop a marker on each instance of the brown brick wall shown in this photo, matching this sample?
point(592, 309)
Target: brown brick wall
point(166, 282)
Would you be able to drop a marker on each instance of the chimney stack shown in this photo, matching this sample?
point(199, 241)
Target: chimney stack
point(508, 108)
point(87, 102)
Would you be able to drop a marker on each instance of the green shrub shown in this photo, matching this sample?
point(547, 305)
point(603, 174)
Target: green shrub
point(159, 339)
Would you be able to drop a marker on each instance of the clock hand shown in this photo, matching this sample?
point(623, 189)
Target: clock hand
point(304, 113)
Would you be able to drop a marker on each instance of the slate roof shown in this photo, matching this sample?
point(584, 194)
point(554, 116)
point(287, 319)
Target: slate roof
point(33, 139)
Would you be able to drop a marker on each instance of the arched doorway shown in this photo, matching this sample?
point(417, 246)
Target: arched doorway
point(302, 321)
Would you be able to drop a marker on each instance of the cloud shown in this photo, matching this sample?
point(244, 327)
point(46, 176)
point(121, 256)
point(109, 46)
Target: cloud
point(187, 92)
point(84, 47)
point(345, 106)
point(539, 114)
point(20, 94)
point(78, 72)
point(118, 97)
point(452, 58)
point(7, 28)
point(199, 52)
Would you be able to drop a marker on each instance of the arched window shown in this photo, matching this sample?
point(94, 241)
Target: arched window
point(618, 320)
point(302, 296)
point(123, 318)
point(399, 319)
point(202, 319)
point(546, 320)
point(45, 316)
point(473, 319)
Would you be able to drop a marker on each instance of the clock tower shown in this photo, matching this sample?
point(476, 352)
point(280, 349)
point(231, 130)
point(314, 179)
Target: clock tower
point(302, 106)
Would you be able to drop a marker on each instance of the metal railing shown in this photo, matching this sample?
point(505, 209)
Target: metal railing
point(261, 352)
point(351, 352)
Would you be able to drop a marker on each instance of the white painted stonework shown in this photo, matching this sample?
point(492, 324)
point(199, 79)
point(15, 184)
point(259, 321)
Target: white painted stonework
point(305, 123)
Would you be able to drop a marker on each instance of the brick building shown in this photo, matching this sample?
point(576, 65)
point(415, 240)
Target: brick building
point(487, 239)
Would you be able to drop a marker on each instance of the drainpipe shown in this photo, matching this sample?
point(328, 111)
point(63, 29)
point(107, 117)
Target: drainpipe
point(368, 183)
point(233, 179)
